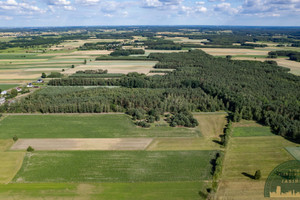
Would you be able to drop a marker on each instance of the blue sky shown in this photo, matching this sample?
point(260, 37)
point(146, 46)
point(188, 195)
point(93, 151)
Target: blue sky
point(15, 13)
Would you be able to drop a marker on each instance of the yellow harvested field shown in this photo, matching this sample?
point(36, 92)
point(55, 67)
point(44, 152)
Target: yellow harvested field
point(83, 144)
point(123, 67)
point(224, 52)
point(43, 70)
point(5, 144)
point(18, 74)
point(92, 52)
point(11, 162)
point(211, 125)
point(164, 51)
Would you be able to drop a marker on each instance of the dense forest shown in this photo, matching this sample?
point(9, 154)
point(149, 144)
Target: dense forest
point(249, 89)
point(293, 55)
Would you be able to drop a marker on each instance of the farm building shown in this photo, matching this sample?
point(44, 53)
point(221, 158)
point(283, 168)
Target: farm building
point(40, 81)
point(19, 89)
point(4, 92)
point(2, 101)
point(29, 85)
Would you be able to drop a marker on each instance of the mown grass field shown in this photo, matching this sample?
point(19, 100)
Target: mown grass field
point(83, 126)
point(7, 86)
point(104, 191)
point(294, 151)
point(246, 153)
point(10, 162)
point(251, 131)
point(115, 166)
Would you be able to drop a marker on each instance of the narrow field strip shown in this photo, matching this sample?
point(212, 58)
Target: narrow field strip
point(83, 144)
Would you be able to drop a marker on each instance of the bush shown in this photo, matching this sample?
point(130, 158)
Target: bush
point(13, 93)
point(44, 75)
point(55, 75)
point(15, 138)
point(30, 149)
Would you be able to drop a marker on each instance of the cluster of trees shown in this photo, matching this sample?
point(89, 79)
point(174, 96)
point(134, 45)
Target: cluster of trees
point(162, 44)
point(182, 118)
point(293, 55)
point(54, 75)
point(100, 46)
point(98, 71)
point(127, 52)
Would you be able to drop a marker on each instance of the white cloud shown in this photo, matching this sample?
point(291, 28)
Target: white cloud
point(108, 15)
point(200, 2)
point(226, 8)
point(69, 8)
point(59, 2)
point(87, 2)
point(162, 4)
point(12, 5)
point(6, 17)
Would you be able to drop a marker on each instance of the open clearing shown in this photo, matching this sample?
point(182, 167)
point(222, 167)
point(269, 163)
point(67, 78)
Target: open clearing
point(211, 124)
point(84, 126)
point(115, 166)
point(83, 144)
point(104, 191)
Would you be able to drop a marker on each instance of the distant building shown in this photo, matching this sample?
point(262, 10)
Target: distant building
point(4, 92)
point(29, 85)
point(2, 101)
point(40, 81)
point(19, 89)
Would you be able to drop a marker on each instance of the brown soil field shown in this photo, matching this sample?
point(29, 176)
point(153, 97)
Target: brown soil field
point(83, 144)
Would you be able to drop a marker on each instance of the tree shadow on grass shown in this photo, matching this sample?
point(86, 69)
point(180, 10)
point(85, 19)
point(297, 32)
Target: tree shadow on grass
point(248, 175)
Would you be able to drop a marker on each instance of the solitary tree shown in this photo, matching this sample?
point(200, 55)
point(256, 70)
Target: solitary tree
point(257, 175)
point(30, 149)
point(44, 75)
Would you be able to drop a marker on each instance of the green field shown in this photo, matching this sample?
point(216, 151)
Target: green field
point(7, 86)
point(294, 151)
point(115, 166)
point(103, 191)
point(84, 126)
point(251, 131)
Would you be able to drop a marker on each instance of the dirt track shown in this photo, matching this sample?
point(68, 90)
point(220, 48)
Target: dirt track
point(83, 144)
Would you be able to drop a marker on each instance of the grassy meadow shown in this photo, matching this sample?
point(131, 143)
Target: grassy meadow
point(7, 86)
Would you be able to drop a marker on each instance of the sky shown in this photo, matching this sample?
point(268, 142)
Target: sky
point(36, 13)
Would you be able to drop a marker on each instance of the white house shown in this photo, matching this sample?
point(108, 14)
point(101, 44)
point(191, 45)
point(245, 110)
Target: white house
point(40, 81)
point(4, 92)
point(29, 85)
point(2, 101)
point(19, 89)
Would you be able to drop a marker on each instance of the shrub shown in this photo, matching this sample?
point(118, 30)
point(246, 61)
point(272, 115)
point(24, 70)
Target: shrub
point(44, 75)
point(30, 149)
point(15, 138)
